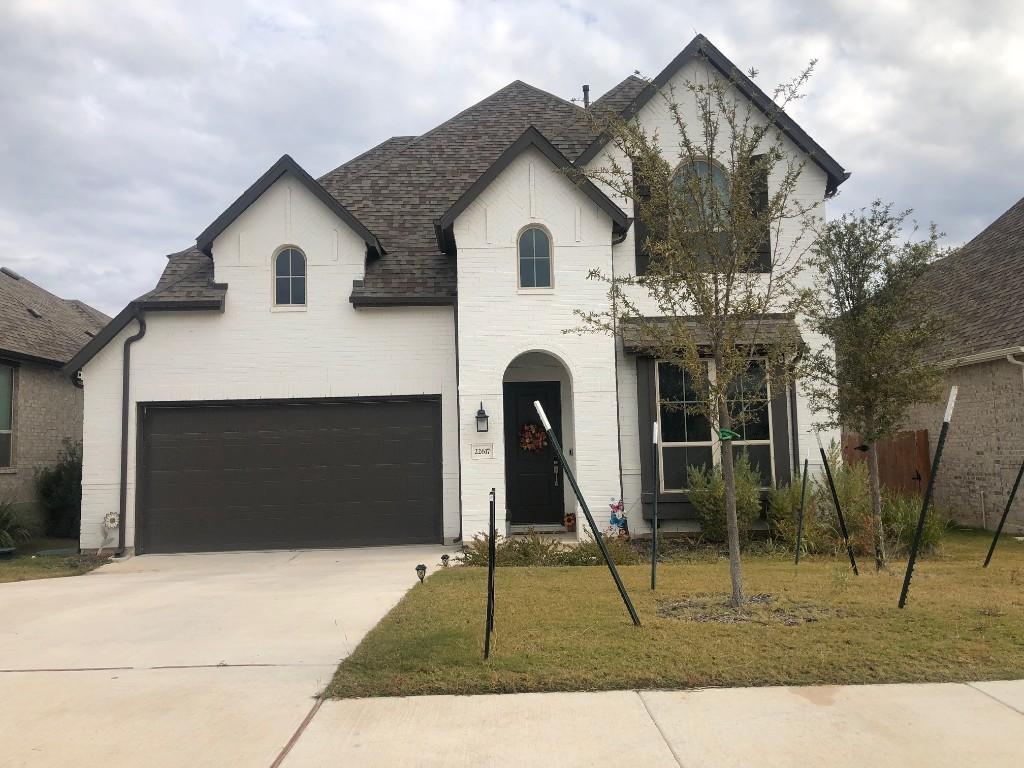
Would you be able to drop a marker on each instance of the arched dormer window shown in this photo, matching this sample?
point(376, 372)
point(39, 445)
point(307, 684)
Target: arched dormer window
point(534, 258)
point(290, 278)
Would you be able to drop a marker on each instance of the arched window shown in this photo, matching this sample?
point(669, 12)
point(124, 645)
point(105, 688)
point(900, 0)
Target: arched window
point(534, 258)
point(703, 179)
point(290, 278)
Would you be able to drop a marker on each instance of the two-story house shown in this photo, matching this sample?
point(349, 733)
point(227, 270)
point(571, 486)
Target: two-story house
point(352, 360)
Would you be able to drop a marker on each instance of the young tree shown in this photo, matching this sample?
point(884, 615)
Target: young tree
point(869, 304)
point(717, 269)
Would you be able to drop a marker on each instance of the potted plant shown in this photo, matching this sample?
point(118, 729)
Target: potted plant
point(12, 530)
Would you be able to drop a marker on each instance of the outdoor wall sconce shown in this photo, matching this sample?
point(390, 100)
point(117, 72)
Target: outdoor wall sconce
point(481, 419)
point(421, 571)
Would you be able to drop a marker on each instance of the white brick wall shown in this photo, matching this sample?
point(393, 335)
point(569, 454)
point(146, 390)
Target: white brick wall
point(250, 351)
point(655, 117)
point(498, 323)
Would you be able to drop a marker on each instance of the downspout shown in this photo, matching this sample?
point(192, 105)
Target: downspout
point(1015, 361)
point(125, 382)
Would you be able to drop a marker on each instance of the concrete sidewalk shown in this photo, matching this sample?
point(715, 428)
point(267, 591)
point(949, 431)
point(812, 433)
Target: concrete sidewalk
point(879, 725)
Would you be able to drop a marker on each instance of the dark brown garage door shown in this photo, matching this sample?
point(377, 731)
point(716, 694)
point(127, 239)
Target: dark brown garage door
point(287, 474)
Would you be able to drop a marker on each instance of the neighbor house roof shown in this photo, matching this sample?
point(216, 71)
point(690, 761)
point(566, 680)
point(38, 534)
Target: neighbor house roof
point(36, 325)
point(980, 289)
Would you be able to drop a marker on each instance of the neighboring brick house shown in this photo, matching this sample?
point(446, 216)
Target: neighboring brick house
point(39, 406)
point(310, 372)
point(981, 289)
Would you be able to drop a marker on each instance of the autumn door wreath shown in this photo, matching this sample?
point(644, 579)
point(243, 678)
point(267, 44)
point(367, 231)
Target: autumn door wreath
point(532, 438)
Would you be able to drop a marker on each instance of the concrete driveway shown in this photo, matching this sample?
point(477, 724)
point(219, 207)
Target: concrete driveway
point(185, 660)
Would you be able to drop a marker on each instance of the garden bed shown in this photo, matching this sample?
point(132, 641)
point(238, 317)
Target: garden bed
point(565, 628)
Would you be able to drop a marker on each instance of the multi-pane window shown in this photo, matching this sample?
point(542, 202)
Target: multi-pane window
point(290, 278)
point(6, 415)
point(684, 435)
point(749, 406)
point(534, 259)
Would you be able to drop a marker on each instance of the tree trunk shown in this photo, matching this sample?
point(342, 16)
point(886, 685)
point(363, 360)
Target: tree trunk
point(875, 486)
point(732, 526)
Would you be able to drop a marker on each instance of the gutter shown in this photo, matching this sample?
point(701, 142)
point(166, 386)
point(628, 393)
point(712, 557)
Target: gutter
point(984, 357)
point(140, 317)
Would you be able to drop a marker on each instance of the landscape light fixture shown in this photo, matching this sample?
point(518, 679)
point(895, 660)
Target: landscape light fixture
point(421, 571)
point(481, 419)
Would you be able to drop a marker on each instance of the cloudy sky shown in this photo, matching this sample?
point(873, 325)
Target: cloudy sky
point(127, 127)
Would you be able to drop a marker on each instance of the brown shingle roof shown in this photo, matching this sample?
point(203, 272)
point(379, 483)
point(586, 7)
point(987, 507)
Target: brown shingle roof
point(187, 279)
point(400, 188)
point(36, 324)
point(981, 287)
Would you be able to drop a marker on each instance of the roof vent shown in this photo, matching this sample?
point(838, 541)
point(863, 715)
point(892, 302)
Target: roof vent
point(35, 312)
point(586, 96)
point(10, 273)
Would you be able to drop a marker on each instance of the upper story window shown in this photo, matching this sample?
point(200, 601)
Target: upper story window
point(6, 416)
point(701, 177)
point(534, 258)
point(290, 278)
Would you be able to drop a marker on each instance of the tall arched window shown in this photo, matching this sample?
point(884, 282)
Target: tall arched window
point(704, 179)
point(290, 278)
point(534, 258)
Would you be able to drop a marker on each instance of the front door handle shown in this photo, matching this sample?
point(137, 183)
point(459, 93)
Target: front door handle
point(556, 468)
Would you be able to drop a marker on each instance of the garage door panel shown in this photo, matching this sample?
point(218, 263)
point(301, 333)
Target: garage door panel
point(283, 475)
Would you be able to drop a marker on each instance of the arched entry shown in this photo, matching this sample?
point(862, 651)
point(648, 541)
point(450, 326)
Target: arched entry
point(535, 487)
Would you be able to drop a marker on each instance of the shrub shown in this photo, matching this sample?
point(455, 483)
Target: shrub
point(822, 533)
point(13, 530)
point(60, 492)
point(707, 494)
point(535, 549)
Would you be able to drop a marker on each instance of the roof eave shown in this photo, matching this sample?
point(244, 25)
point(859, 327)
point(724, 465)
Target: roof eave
point(284, 165)
point(531, 137)
point(125, 316)
point(701, 46)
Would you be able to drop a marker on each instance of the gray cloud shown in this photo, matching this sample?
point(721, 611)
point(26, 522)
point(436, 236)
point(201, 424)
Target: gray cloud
point(126, 128)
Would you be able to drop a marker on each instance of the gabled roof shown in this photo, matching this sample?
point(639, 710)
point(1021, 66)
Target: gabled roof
point(531, 137)
point(980, 287)
point(36, 325)
point(701, 47)
point(285, 165)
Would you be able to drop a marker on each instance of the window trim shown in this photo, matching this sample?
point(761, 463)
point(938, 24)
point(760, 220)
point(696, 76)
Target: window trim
point(274, 306)
point(12, 466)
point(715, 445)
point(535, 289)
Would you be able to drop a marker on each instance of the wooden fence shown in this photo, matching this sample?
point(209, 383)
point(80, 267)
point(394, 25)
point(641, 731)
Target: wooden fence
point(903, 462)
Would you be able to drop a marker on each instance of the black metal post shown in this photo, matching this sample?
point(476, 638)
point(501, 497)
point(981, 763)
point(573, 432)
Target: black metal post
point(586, 511)
point(492, 535)
point(927, 498)
point(839, 510)
point(800, 516)
point(654, 521)
point(1006, 511)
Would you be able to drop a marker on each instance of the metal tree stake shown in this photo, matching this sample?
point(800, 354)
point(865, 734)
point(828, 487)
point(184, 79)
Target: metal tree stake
point(654, 521)
point(839, 510)
point(492, 534)
point(927, 497)
point(586, 511)
point(1006, 511)
point(800, 516)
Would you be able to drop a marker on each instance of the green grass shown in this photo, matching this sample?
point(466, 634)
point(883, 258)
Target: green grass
point(559, 629)
point(27, 564)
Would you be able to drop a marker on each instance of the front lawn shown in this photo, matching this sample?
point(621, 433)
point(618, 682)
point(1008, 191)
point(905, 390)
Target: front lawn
point(28, 563)
point(560, 629)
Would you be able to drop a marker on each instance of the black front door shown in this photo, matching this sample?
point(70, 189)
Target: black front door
point(533, 479)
